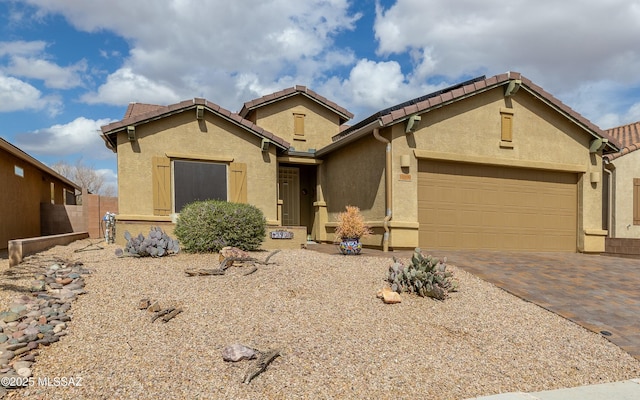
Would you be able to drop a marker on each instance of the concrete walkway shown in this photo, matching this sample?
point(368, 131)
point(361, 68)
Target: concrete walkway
point(600, 293)
point(625, 390)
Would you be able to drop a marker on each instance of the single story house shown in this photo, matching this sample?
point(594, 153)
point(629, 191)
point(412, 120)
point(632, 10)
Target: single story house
point(490, 163)
point(622, 173)
point(27, 183)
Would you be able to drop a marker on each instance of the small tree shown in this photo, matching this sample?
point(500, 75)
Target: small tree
point(85, 176)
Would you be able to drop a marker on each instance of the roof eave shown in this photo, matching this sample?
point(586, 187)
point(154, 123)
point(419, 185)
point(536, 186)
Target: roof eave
point(110, 132)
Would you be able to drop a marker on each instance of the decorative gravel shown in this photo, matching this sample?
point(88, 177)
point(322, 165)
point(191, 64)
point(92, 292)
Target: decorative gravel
point(337, 340)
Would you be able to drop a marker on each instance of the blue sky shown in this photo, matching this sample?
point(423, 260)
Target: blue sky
point(68, 67)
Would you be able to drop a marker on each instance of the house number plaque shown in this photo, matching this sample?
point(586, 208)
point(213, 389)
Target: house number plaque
point(281, 235)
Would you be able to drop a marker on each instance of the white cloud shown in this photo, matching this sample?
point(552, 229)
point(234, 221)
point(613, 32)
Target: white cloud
point(125, 86)
point(230, 52)
point(180, 48)
point(16, 95)
point(54, 76)
point(576, 55)
point(29, 60)
point(80, 136)
point(548, 41)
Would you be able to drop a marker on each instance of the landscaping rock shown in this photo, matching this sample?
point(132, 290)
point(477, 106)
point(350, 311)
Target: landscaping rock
point(38, 286)
point(9, 316)
point(391, 297)
point(237, 352)
point(38, 319)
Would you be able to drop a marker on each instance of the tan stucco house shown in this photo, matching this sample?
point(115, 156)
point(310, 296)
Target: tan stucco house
point(491, 163)
point(27, 184)
point(622, 171)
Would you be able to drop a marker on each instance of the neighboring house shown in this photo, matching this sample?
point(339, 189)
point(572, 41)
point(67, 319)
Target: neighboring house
point(27, 184)
point(491, 163)
point(622, 170)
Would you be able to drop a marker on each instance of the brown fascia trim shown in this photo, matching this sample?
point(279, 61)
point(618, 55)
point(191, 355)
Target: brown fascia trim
point(18, 153)
point(110, 131)
point(293, 91)
point(472, 89)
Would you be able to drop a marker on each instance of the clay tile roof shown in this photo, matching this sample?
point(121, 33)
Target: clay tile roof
point(138, 113)
point(453, 93)
point(139, 108)
point(628, 136)
point(292, 91)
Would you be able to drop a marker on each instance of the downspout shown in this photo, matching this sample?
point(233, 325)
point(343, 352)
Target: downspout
point(387, 189)
point(607, 166)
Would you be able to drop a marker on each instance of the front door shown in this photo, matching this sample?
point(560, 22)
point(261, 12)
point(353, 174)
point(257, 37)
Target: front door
point(289, 188)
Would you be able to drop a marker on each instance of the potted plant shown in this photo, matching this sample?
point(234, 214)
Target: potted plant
point(351, 228)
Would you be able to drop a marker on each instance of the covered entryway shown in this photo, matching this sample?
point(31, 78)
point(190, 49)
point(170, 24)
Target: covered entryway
point(477, 206)
point(297, 190)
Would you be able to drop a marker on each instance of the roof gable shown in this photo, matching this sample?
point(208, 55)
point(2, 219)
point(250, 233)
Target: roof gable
point(628, 136)
point(138, 114)
point(249, 106)
point(441, 98)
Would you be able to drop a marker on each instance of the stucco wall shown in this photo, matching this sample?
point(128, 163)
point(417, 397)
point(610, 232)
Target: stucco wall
point(470, 129)
point(627, 168)
point(211, 138)
point(21, 197)
point(320, 124)
point(354, 175)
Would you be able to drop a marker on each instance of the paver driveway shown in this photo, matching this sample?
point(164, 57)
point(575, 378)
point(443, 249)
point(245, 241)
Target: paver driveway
point(600, 293)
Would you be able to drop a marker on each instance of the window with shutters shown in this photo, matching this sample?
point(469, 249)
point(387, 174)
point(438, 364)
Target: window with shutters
point(636, 201)
point(196, 180)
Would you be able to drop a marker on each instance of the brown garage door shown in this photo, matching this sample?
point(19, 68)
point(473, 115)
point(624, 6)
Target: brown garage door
point(474, 206)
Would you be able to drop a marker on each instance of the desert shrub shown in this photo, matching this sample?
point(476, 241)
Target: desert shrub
point(208, 226)
point(156, 244)
point(351, 224)
point(425, 276)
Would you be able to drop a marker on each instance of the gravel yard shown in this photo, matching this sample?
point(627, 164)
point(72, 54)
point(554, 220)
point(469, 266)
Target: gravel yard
point(337, 340)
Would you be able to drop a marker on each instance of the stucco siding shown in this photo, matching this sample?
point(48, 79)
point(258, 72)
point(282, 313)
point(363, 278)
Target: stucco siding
point(354, 175)
point(627, 168)
point(470, 129)
point(213, 139)
point(320, 123)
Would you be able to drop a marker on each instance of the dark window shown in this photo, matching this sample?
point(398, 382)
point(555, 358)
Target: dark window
point(195, 181)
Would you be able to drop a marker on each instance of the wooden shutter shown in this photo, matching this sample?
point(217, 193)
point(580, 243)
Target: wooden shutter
point(507, 127)
point(238, 182)
point(161, 175)
point(636, 201)
point(298, 124)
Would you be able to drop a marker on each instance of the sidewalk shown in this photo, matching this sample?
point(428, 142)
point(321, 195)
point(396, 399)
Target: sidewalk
point(625, 390)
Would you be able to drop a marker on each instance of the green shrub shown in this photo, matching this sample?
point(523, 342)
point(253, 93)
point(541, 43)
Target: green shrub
point(208, 226)
point(425, 276)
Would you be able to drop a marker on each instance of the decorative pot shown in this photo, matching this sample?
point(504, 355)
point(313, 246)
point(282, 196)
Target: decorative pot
point(350, 246)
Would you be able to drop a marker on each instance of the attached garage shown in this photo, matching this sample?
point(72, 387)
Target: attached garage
point(477, 206)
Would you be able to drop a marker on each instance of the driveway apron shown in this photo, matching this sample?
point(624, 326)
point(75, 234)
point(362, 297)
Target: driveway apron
point(600, 293)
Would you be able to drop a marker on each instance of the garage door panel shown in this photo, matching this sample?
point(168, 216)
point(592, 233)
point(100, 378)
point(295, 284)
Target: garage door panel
point(470, 206)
